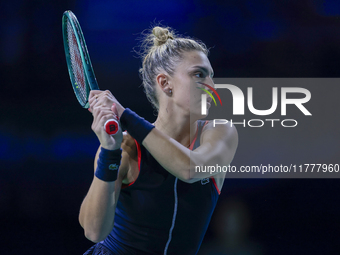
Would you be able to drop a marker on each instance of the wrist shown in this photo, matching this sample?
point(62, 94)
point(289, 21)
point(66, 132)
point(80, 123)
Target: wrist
point(136, 126)
point(108, 164)
point(110, 147)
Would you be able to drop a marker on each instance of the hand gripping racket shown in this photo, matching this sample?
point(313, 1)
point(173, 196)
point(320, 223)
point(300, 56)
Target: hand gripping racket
point(79, 65)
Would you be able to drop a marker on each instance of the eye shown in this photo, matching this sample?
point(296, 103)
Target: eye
point(199, 74)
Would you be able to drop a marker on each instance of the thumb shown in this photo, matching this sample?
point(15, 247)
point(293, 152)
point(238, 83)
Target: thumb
point(114, 110)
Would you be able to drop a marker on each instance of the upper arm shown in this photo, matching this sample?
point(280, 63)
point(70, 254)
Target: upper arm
point(218, 146)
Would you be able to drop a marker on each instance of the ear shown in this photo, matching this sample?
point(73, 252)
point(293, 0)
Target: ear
point(162, 81)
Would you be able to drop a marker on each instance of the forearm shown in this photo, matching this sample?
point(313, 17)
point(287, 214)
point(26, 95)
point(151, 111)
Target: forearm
point(97, 210)
point(217, 147)
point(174, 157)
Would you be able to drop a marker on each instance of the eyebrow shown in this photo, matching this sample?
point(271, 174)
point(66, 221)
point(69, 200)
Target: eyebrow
point(206, 70)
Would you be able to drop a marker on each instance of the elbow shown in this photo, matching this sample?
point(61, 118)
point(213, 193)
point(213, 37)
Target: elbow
point(95, 231)
point(93, 236)
point(187, 177)
point(92, 233)
point(190, 180)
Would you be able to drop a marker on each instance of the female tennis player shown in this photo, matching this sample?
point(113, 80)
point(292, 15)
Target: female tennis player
point(156, 203)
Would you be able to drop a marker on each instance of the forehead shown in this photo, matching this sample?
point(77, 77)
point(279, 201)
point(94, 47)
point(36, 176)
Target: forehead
point(195, 58)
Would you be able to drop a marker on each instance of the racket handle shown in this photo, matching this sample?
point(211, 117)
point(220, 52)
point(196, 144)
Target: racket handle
point(111, 126)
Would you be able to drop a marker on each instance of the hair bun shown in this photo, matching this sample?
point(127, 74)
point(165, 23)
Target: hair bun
point(161, 35)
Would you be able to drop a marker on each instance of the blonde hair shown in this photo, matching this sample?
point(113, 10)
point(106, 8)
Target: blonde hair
point(161, 51)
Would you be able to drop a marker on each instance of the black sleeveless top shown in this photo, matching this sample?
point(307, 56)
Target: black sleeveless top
point(160, 214)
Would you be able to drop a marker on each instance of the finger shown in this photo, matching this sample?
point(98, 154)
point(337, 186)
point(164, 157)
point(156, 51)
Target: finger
point(93, 102)
point(108, 92)
point(105, 117)
point(98, 97)
point(100, 118)
point(95, 92)
point(114, 110)
point(99, 110)
point(101, 123)
point(94, 97)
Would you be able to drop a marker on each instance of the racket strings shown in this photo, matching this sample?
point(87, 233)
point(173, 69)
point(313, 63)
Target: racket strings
point(77, 65)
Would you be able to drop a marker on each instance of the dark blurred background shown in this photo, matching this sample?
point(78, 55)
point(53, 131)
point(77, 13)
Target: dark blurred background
point(47, 146)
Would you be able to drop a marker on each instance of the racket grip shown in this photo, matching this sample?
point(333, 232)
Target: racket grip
point(111, 126)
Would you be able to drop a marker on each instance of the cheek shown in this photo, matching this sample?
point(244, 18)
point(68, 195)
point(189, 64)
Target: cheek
point(195, 93)
point(188, 95)
point(195, 99)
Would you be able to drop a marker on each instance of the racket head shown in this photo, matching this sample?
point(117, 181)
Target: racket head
point(78, 59)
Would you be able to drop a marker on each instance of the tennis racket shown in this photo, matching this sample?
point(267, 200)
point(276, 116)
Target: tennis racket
point(79, 65)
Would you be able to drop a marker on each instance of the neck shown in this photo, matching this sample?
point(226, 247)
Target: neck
point(177, 125)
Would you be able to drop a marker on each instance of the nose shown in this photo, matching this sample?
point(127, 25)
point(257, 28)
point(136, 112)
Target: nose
point(211, 82)
point(208, 86)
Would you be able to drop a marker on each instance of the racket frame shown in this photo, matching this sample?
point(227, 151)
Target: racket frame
point(90, 79)
point(111, 126)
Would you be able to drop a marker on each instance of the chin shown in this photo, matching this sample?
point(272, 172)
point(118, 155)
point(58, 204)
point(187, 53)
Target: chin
point(204, 116)
point(198, 115)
